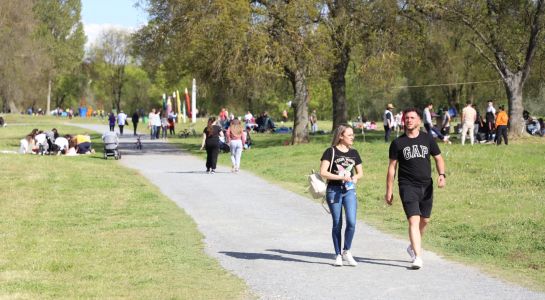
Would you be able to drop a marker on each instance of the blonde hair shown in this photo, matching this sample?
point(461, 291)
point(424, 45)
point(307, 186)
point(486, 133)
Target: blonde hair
point(235, 127)
point(339, 131)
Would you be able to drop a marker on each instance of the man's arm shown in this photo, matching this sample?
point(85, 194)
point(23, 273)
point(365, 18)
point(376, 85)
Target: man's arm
point(390, 175)
point(440, 166)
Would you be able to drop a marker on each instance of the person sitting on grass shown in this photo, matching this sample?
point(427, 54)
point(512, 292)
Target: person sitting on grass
point(27, 145)
point(62, 144)
point(83, 144)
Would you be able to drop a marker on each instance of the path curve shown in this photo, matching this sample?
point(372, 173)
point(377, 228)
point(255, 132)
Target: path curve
point(279, 242)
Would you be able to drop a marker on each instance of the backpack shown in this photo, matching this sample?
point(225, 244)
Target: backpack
point(317, 186)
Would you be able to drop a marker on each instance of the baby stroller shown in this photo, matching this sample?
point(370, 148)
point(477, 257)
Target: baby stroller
point(111, 145)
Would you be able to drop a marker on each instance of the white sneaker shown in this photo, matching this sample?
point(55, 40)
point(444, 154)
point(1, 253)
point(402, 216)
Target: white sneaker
point(347, 256)
point(338, 261)
point(411, 252)
point(417, 263)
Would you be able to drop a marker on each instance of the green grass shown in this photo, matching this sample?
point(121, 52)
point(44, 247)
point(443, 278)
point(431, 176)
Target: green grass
point(84, 227)
point(491, 214)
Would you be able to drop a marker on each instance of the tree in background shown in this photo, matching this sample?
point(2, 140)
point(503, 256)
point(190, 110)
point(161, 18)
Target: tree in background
point(110, 56)
point(505, 33)
point(22, 56)
point(61, 33)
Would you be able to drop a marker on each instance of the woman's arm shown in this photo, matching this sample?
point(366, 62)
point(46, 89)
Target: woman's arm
point(359, 174)
point(203, 140)
point(324, 172)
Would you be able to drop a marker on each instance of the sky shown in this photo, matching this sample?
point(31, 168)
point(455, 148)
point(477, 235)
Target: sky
point(98, 15)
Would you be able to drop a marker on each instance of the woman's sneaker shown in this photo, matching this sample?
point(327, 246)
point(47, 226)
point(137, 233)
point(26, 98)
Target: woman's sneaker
point(417, 263)
point(411, 252)
point(347, 256)
point(338, 261)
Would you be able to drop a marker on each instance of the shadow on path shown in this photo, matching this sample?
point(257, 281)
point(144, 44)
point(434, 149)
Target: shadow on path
point(265, 256)
point(320, 255)
point(375, 261)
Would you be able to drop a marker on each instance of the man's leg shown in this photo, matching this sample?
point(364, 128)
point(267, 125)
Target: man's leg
point(415, 234)
point(472, 134)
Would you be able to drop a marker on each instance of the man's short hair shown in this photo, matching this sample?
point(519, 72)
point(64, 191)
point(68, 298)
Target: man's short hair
point(468, 102)
point(412, 109)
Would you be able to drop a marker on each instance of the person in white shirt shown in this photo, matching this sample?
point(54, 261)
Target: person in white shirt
point(121, 121)
point(151, 123)
point(62, 143)
point(469, 115)
point(388, 119)
point(428, 124)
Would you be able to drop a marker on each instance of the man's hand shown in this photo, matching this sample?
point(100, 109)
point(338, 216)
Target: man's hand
point(389, 198)
point(441, 181)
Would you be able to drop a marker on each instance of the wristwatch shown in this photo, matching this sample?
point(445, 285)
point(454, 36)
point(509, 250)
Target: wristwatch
point(443, 174)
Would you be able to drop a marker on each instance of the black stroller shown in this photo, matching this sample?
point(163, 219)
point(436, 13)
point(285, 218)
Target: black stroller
point(111, 145)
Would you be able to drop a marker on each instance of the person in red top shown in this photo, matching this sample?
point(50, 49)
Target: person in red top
point(501, 126)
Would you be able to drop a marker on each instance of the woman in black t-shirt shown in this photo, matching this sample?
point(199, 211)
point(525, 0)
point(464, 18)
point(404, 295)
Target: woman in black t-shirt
point(338, 165)
point(211, 141)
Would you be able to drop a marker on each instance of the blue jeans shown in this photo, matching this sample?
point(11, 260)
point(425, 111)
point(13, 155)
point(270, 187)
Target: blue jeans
point(337, 198)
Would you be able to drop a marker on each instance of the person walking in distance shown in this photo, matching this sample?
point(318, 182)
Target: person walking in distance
point(135, 119)
point(236, 140)
point(501, 126)
point(121, 121)
point(428, 123)
point(111, 121)
point(469, 116)
point(411, 151)
point(388, 118)
point(211, 141)
point(338, 163)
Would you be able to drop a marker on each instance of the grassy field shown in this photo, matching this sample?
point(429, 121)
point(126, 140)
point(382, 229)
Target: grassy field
point(490, 215)
point(83, 227)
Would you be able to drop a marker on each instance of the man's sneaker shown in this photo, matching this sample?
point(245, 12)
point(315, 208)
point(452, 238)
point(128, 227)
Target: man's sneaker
point(338, 261)
point(347, 256)
point(411, 252)
point(417, 263)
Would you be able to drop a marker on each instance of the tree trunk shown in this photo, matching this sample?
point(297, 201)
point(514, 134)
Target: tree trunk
point(338, 88)
point(48, 97)
point(513, 87)
point(300, 104)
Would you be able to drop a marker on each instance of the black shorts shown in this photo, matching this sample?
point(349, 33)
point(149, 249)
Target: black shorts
point(417, 200)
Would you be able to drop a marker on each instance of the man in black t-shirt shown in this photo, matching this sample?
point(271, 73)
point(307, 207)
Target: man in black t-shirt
point(412, 152)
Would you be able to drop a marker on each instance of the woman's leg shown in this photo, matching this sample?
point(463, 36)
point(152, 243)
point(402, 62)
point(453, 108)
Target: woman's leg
point(238, 153)
point(232, 146)
point(208, 157)
point(350, 204)
point(215, 151)
point(334, 201)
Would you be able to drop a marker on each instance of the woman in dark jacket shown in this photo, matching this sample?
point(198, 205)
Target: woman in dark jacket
point(135, 119)
point(211, 141)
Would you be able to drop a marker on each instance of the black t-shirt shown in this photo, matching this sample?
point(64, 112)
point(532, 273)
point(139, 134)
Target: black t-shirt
point(214, 135)
point(413, 156)
point(341, 161)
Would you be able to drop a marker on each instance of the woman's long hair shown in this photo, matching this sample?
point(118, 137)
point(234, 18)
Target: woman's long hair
point(235, 127)
point(339, 131)
point(211, 122)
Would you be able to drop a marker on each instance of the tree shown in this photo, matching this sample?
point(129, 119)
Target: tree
point(110, 57)
point(22, 57)
point(505, 33)
point(61, 32)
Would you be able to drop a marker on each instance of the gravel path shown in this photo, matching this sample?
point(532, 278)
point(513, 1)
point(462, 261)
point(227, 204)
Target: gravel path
point(280, 243)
